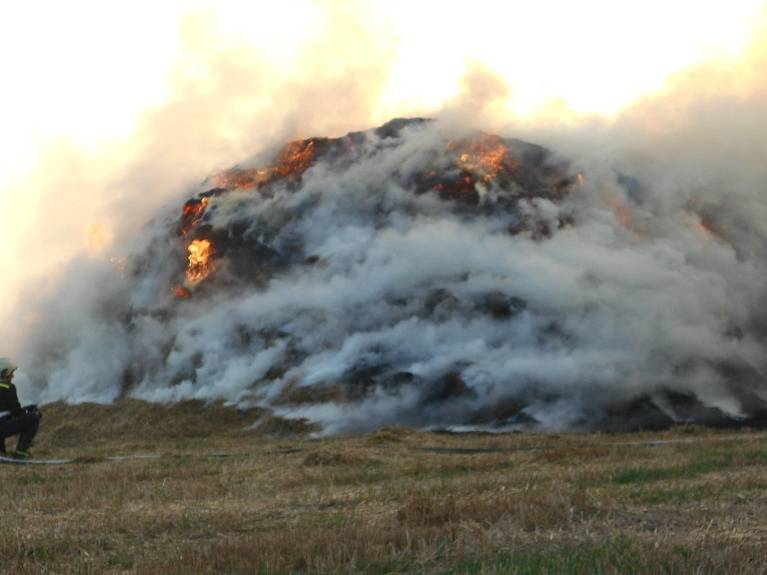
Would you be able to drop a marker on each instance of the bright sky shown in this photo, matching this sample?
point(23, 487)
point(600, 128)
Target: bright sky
point(86, 69)
point(595, 55)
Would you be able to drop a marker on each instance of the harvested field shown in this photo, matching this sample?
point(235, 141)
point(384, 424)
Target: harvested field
point(228, 497)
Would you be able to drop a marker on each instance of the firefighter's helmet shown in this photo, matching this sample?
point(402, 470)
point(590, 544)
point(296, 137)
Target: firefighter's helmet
point(7, 367)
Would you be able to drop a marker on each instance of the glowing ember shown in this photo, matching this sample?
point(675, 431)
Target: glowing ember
point(200, 261)
point(191, 214)
point(294, 159)
point(290, 164)
point(181, 292)
point(480, 160)
point(484, 156)
point(241, 179)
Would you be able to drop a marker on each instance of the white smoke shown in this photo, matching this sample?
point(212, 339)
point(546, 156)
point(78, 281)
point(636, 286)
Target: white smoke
point(392, 307)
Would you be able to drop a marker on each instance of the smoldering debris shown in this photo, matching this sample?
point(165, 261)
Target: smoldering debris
point(412, 275)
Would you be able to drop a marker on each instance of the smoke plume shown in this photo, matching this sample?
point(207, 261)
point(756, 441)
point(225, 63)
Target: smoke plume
point(348, 294)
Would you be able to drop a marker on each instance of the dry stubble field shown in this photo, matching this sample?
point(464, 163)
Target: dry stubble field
point(226, 498)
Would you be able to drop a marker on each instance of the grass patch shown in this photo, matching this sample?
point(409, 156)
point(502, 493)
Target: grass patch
point(354, 548)
point(529, 511)
point(395, 501)
point(650, 474)
point(618, 556)
point(385, 435)
point(754, 456)
point(382, 551)
point(669, 496)
point(324, 458)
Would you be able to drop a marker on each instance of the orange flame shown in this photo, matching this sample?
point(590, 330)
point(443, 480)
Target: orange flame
point(241, 179)
point(191, 214)
point(200, 261)
point(290, 164)
point(294, 159)
point(484, 156)
point(181, 292)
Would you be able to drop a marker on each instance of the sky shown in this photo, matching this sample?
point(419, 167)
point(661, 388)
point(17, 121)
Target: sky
point(95, 92)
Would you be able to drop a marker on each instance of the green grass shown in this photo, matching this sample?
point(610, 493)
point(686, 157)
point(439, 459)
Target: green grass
point(615, 556)
point(669, 496)
point(650, 474)
point(754, 456)
point(620, 556)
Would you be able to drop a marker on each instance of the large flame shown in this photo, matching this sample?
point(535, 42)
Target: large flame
point(292, 161)
point(200, 261)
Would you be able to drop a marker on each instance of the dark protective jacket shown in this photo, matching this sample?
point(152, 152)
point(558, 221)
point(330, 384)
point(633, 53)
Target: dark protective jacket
point(9, 400)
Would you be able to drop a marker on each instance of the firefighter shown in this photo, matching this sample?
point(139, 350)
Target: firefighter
point(14, 419)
